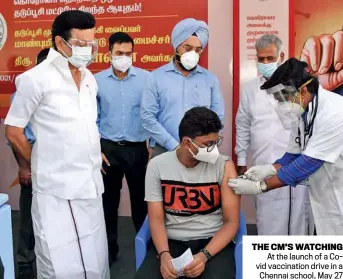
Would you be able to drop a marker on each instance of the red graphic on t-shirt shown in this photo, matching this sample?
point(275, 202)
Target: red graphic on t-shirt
point(185, 199)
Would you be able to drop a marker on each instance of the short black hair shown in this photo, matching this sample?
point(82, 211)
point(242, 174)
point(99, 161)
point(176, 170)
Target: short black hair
point(119, 38)
point(68, 20)
point(295, 70)
point(199, 121)
point(42, 55)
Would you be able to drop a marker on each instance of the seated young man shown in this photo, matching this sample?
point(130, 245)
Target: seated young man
point(190, 204)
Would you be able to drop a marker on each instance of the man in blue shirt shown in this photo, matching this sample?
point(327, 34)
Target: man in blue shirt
point(123, 139)
point(25, 254)
point(178, 86)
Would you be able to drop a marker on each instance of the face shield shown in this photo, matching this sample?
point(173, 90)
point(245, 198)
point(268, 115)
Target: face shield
point(282, 97)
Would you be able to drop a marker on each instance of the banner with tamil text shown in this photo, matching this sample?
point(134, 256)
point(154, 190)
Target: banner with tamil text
point(25, 29)
point(251, 20)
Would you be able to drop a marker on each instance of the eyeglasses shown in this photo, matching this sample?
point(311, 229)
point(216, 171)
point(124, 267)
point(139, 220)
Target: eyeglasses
point(269, 59)
point(82, 43)
point(121, 53)
point(189, 48)
point(211, 145)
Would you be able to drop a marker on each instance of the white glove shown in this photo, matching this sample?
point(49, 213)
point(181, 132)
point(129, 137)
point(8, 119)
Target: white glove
point(243, 186)
point(259, 173)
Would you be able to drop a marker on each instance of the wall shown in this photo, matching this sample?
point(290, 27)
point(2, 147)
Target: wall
point(220, 62)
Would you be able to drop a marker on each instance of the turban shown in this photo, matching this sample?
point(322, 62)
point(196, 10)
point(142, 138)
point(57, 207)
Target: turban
point(186, 28)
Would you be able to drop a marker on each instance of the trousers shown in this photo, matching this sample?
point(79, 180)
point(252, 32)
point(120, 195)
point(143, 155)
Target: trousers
point(129, 159)
point(221, 266)
point(25, 254)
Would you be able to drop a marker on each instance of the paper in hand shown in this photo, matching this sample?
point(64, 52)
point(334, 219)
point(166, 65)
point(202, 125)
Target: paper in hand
point(181, 262)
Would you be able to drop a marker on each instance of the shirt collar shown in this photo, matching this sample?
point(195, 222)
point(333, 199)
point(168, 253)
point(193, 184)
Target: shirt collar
point(132, 72)
point(172, 67)
point(56, 58)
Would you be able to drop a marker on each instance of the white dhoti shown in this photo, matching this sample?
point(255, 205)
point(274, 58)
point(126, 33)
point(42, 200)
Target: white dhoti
point(70, 238)
point(284, 211)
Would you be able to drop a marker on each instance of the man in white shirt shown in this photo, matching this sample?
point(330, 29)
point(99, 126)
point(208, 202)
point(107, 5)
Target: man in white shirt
point(261, 134)
point(58, 98)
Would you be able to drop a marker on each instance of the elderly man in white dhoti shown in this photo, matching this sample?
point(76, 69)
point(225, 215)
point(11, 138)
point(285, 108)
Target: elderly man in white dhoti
point(58, 98)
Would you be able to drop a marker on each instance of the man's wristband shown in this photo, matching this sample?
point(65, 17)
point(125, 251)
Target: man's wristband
point(160, 254)
point(206, 253)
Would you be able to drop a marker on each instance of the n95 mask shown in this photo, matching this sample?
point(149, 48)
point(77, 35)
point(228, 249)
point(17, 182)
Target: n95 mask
point(190, 59)
point(204, 156)
point(121, 63)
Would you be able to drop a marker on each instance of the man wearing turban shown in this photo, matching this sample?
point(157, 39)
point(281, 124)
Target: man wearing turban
point(178, 86)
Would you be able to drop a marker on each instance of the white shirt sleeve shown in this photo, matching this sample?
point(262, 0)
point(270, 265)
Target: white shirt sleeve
point(25, 102)
point(243, 123)
point(326, 142)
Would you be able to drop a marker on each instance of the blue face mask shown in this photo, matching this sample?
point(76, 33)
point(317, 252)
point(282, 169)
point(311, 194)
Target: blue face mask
point(267, 70)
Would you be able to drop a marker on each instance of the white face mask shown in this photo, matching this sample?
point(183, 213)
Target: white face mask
point(297, 110)
point(289, 114)
point(267, 70)
point(121, 63)
point(204, 156)
point(81, 56)
point(190, 59)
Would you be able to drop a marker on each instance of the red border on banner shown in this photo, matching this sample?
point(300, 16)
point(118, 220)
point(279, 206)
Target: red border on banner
point(236, 64)
point(236, 74)
point(291, 29)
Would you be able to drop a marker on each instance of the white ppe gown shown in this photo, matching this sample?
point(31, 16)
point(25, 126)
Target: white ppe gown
point(261, 136)
point(326, 143)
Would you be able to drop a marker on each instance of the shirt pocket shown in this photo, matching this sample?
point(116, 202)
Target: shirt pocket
point(261, 107)
point(199, 96)
point(167, 96)
point(89, 103)
point(61, 105)
point(134, 98)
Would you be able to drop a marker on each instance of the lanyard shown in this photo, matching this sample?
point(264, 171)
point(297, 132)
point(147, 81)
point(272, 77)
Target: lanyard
point(308, 127)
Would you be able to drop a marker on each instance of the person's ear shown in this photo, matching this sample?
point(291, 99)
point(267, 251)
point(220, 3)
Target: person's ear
point(185, 142)
point(59, 42)
point(304, 91)
point(282, 57)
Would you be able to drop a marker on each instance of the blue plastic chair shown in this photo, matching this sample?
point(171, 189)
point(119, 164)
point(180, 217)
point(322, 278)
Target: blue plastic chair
point(6, 240)
point(143, 237)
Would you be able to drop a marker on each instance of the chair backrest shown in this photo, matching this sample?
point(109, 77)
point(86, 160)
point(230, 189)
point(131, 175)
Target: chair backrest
point(3, 198)
point(242, 230)
point(6, 240)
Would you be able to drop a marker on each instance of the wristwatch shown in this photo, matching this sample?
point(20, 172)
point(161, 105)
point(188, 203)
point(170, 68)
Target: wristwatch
point(206, 253)
point(264, 186)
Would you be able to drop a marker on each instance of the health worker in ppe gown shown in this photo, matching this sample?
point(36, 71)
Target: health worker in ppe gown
point(315, 150)
point(284, 211)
